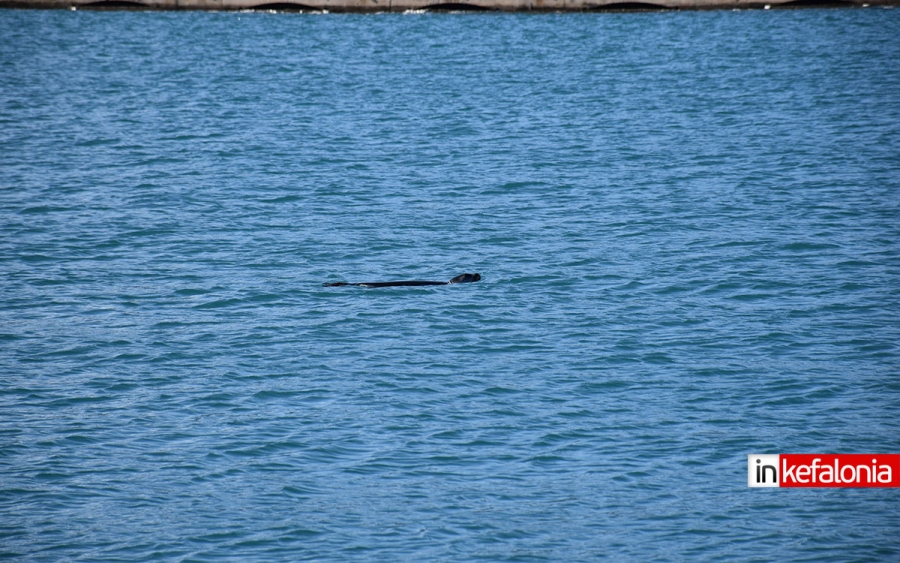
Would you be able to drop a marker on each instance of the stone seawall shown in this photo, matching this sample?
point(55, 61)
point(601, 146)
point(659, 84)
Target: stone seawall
point(437, 5)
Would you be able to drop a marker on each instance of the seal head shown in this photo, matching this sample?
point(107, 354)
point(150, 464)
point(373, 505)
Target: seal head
point(466, 278)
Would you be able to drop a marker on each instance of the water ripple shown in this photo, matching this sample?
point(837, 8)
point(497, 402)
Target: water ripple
point(686, 224)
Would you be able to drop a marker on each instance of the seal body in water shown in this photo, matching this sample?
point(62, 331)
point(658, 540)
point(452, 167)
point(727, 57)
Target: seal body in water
point(462, 278)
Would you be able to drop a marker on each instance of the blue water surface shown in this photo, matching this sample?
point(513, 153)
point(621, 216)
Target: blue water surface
point(688, 225)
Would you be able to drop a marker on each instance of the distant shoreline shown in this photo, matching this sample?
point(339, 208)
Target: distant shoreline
point(368, 6)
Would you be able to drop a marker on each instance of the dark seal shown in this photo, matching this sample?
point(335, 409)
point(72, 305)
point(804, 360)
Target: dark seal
point(462, 278)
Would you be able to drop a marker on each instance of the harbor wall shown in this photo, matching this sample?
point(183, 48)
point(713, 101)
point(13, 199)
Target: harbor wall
point(437, 5)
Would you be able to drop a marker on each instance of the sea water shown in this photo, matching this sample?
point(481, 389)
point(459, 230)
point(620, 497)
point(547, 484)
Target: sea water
point(688, 228)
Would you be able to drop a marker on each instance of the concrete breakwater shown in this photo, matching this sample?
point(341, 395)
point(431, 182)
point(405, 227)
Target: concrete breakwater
point(437, 5)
